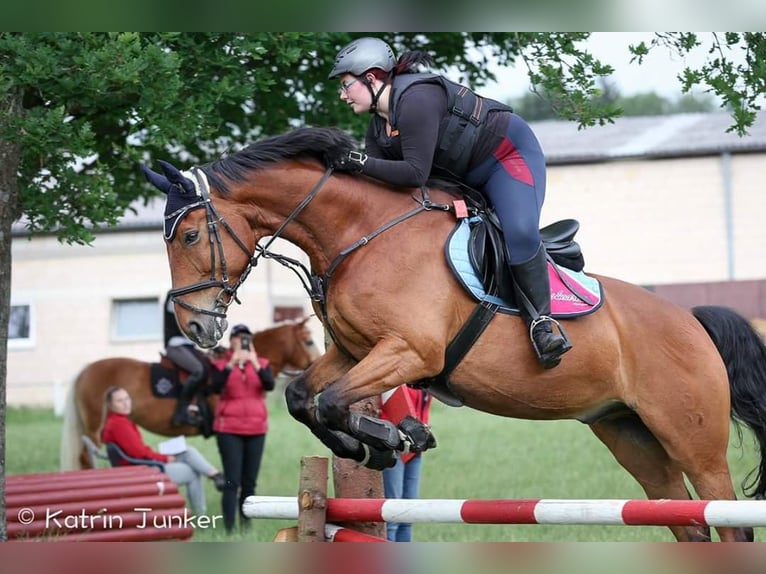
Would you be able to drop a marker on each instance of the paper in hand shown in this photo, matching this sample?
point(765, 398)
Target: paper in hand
point(175, 445)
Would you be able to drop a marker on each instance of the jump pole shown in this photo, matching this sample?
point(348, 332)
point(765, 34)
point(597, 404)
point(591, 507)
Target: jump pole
point(532, 511)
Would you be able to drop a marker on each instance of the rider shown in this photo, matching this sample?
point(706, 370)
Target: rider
point(181, 350)
point(415, 130)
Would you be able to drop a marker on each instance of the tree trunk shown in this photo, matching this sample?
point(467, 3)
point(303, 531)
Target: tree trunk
point(10, 106)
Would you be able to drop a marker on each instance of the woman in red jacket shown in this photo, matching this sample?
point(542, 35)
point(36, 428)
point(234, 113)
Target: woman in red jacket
point(241, 419)
point(186, 467)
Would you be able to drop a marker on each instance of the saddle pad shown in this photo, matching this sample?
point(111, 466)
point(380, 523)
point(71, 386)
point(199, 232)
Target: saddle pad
point(573, 293)
point(164, 382)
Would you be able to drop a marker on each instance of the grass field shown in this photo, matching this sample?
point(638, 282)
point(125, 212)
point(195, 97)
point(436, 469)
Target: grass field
point(478, 456)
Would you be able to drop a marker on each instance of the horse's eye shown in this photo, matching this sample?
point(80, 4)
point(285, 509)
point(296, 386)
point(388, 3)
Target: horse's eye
point(191, 237)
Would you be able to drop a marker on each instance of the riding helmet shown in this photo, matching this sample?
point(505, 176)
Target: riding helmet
point(361, 55)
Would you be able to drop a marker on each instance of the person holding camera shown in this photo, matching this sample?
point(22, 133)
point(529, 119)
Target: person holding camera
point(241, 419)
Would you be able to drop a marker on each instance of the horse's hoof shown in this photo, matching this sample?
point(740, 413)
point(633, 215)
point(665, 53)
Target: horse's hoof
point(379, 459)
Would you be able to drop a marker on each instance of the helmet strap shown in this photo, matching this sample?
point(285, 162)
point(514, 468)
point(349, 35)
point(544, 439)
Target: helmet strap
point(375, 97)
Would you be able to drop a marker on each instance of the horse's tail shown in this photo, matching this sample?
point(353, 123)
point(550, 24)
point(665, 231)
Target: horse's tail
point(744, 355)
point(71, 443)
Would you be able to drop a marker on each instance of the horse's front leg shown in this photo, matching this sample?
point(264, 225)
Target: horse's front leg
point(300, 394)
point(390, 364)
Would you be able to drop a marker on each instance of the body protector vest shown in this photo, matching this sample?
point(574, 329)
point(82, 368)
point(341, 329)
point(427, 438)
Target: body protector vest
point(460, 130)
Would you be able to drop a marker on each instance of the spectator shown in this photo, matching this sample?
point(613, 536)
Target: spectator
point(403, 479)
point(241, 419)
point(186, 467)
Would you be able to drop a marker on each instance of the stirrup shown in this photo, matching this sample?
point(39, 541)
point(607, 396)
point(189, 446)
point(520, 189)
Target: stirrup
point(549, 360)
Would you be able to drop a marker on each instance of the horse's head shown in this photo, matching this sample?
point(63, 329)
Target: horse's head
point(289, 347)
point(305, 350)
point(209, 251)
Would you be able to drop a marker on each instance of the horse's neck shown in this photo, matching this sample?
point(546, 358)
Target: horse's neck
point(270, 345)
point(343, 210)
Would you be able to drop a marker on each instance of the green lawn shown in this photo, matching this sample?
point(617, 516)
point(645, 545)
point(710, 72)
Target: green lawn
point(479, 456)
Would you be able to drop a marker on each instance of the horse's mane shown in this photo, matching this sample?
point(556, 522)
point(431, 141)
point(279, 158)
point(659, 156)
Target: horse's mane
point(322, 144)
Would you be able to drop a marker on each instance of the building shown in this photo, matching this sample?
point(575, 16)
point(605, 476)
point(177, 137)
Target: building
point(674, 203)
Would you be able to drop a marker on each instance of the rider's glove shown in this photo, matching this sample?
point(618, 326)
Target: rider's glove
point(353, 162)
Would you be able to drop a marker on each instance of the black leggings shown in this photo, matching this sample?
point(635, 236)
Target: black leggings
point(241, 460)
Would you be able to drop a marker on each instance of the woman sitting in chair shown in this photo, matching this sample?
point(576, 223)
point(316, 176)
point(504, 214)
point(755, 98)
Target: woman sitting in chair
point(184, 468)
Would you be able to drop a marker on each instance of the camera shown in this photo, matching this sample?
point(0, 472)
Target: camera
point(245, 341)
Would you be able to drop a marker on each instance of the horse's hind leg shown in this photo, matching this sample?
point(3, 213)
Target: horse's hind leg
point(641, 454)
point(90, 410)
point(698, 440)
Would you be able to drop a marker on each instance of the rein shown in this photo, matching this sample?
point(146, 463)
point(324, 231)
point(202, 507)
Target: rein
point(321, 283)
point(315, 285)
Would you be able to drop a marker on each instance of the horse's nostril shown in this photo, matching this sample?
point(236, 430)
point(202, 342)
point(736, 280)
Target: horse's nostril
point(195, 329)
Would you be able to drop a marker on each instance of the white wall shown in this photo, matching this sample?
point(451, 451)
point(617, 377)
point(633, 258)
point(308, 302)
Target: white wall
point(664, 221)
point(71, 289)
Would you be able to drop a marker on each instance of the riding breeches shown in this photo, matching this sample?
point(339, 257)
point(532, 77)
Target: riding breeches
point(513, 179)
point(185, 357)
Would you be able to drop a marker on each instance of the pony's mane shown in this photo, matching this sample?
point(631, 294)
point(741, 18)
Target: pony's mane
point(322, 144)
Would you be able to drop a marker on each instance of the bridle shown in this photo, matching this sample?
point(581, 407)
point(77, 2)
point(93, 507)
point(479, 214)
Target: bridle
point(228, 290)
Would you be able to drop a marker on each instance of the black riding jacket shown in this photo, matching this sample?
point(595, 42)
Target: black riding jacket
point(437, 127)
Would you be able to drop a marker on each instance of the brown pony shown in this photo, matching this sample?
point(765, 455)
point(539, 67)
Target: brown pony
point(656, 383)
point(289, 348)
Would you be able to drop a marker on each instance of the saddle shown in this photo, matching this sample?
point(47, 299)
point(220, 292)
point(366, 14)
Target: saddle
point(165, 380)
point(489, 255)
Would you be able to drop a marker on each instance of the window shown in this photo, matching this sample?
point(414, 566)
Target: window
point(20, 327)
point(136, 319)
point(288, 312)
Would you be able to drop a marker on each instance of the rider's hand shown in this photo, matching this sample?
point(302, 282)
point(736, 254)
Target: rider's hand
point(353, 162)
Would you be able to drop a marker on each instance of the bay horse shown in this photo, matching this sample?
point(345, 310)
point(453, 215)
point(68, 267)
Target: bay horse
point(289, 347)
point(655, 382)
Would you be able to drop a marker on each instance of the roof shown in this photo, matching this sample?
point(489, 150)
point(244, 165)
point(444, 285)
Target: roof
point(676, 135)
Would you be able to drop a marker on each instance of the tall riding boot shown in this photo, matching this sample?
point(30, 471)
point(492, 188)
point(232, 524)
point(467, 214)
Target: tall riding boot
point(533, 296)
point(182, 415)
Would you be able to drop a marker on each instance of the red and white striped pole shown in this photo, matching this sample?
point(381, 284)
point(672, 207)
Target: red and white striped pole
point(532, 511)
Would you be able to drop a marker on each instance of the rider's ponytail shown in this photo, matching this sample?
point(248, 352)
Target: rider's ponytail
point(410, 62)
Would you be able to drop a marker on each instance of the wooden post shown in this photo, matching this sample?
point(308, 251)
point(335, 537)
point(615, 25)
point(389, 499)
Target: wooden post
point(350, 480)
point(312, 499)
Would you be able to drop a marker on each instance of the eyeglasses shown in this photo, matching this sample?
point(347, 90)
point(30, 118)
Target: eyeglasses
point(344, 86)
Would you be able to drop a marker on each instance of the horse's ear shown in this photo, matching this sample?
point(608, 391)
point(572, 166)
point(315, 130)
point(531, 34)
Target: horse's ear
point(175, 176)
point(159, 181)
